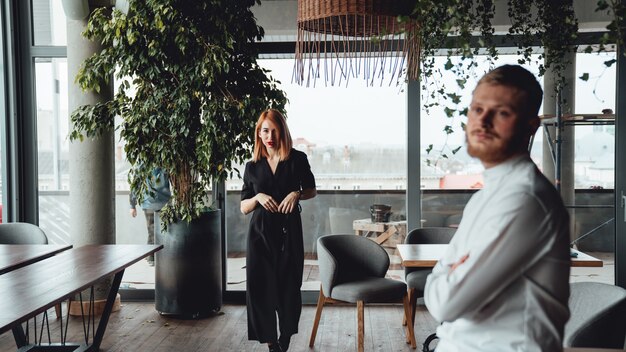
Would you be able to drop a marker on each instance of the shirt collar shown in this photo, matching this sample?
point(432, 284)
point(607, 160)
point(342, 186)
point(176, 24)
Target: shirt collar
point(493, 174)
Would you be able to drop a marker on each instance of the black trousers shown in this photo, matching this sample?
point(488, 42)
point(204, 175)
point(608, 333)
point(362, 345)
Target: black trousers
point(275, 262)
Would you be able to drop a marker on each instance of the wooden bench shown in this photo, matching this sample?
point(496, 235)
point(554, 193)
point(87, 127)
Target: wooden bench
point(33, 289)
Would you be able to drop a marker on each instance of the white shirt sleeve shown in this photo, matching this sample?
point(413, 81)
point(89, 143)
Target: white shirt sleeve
point(514, 237)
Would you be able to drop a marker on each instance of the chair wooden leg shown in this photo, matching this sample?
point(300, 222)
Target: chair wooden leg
point(318, 314)
point(413, 304)
point(360, 312)
point(409, 326)
point(404, 315)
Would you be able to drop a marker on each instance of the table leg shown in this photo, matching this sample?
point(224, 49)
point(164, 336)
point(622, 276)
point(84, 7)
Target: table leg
point(19, 336)
point(106, 313)
point(108, 308)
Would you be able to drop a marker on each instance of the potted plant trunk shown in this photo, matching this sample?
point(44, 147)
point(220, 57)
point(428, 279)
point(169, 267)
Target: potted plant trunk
point(189, 93)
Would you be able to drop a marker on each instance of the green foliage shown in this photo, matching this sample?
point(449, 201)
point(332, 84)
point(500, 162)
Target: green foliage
point(190, 92)
point(463, 29)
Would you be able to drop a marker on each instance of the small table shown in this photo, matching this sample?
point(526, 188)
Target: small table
point(15, 256)
point(387, 234)
point(427, 255)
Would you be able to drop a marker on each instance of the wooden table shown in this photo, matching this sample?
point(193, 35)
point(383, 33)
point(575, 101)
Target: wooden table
point(15, 256)
point(421, 255)
point(427, 255)
point(33, 289)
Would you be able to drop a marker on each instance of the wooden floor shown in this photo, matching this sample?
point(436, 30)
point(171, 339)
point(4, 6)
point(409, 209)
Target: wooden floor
point(138, 327)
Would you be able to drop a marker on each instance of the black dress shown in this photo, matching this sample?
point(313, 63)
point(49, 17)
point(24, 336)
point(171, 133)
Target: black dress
point(275, 257)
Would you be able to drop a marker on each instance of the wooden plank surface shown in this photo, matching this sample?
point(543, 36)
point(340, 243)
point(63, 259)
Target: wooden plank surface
point(138, 327)
point(32, 289)
point(427, 255)
point(15, 256)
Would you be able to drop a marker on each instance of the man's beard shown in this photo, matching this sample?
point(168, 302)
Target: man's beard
point(498, 153)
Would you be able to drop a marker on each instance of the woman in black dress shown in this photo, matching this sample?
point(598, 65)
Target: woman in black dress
point(274, 183)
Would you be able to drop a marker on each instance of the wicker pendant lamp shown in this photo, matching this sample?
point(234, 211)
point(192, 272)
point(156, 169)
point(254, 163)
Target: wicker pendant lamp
point(340, 39)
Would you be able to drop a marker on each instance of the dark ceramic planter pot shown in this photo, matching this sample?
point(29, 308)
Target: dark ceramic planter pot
point(189, 267)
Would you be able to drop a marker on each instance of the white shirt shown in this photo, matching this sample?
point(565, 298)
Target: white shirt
point(511, 293)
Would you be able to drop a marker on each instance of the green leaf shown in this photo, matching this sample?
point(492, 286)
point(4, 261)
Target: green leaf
point(610, 63)
point(584, 76)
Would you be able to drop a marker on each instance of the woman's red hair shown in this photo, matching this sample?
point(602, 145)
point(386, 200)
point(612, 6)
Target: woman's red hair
point(284, 139)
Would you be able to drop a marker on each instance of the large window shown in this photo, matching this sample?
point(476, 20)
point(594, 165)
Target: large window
point(445, 162)
point(595, 143)
point(53, 148)
point(355, 139)
point(449, 179)
point(49, 23)
point(51, 84)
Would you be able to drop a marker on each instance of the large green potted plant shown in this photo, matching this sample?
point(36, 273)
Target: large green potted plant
point(189, 93)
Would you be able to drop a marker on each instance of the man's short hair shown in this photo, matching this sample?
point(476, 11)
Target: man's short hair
point(516, 76)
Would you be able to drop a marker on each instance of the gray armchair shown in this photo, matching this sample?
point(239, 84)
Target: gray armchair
point(22, 233)
point(352, 269)
point(416, 277)
point(598, 316)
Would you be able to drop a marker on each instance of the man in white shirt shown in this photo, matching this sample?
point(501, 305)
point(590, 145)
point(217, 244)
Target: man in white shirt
point(503, 283)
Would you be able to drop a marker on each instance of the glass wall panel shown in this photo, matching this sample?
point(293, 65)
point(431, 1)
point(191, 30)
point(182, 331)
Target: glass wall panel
point(53, 148)
point(595, 142)
point(355, 139)
point(449, 176)
point(278, 19)
point(594, 165)
point(49, 23)
point(53, 167)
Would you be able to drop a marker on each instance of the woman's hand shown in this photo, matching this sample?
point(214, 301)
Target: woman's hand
point(267, 202)
point(289, 203)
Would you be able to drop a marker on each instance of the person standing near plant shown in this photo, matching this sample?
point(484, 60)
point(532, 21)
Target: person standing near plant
point(154, 200)
point(274, 182)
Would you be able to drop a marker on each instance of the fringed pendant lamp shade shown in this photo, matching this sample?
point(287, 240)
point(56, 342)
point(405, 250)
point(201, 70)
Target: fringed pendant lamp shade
point(340, 39)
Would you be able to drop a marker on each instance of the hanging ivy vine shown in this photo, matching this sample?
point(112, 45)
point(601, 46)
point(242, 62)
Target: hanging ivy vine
point(544, 33)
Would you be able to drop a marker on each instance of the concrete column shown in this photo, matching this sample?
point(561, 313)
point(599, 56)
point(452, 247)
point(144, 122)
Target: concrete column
point(567, 136)
point(92, 165)
point(92, 168)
